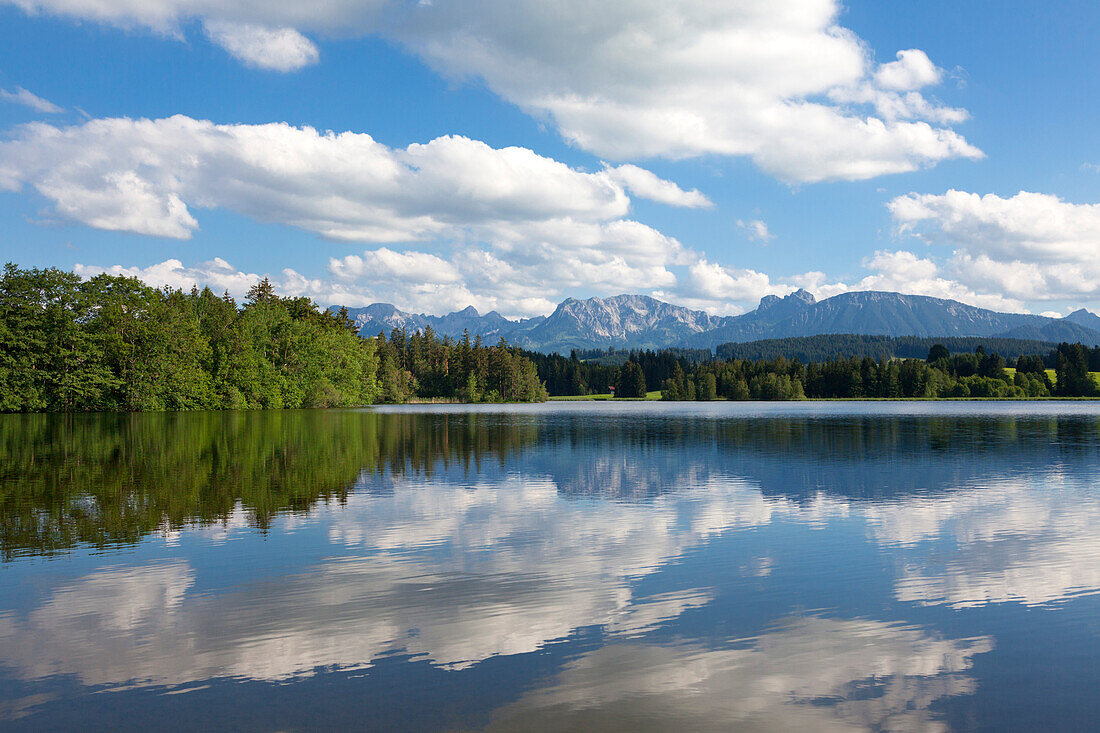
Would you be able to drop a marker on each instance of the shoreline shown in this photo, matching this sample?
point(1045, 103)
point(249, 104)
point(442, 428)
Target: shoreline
point(609, 398)
point(571, 399)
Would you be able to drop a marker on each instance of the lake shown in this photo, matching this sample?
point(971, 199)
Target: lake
point(600, 566)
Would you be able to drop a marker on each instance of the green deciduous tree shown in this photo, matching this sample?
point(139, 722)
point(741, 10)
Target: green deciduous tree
point(114, 343)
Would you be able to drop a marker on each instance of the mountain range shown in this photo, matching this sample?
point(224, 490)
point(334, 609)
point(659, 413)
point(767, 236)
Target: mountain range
point(639, 321)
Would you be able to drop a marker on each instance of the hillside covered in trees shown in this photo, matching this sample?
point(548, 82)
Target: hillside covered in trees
point(598, 371)
point(114, 343)
point(940, 375)
point(833, 346)
point(943, 370)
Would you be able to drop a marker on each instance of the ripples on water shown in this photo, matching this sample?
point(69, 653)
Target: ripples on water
point(776, 567)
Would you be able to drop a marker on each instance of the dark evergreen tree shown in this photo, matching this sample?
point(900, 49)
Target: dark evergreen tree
point(937, 352)
point(1072, 372)
point(631, 381)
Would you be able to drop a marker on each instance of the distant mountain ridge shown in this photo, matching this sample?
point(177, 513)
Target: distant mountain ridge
point(639, 321)
point(878, 313)
point(383, 318)
point(1084, 318)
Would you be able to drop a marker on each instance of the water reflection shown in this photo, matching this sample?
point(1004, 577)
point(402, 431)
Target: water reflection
point(708, 571)
point(102, 480)
point(1031, 541)
point(456, 572)
point(142, 626)
point(806, 674)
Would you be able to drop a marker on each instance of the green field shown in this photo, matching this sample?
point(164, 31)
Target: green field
point(657, 395)
point(1050, 373)
point(595, 397)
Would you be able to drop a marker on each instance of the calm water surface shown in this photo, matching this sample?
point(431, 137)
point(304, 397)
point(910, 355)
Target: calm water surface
point(815, 566)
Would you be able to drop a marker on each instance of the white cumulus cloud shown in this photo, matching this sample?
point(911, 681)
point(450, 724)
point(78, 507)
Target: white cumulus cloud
point(645, 184)
point(354, 283)
point(142, 176)
point(514, 228)
point(1030, 246)
point(902, 271)
point(912, 70)
point(628, 79)
point(218, 274)
point(710, 279)
point(721, 289)
point(383, 262)
point(906, 272)
point(756, 229)
point(277, 49)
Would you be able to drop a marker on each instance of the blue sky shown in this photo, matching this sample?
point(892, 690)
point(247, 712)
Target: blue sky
point(706, 152)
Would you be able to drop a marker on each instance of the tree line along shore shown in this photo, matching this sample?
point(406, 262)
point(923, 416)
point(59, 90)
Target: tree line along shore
point(1069, 370)
point(112, 343)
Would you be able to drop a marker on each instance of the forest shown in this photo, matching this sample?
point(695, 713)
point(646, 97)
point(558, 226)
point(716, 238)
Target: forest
point(597, 372)
point(824, 347)
point(940, 375)
point(112, 343)
point(681, 375)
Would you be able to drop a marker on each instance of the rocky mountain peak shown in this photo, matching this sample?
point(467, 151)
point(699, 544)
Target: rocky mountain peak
point(1084, 317)
point(641, 321)
point(800, 297)
point(381, 310)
